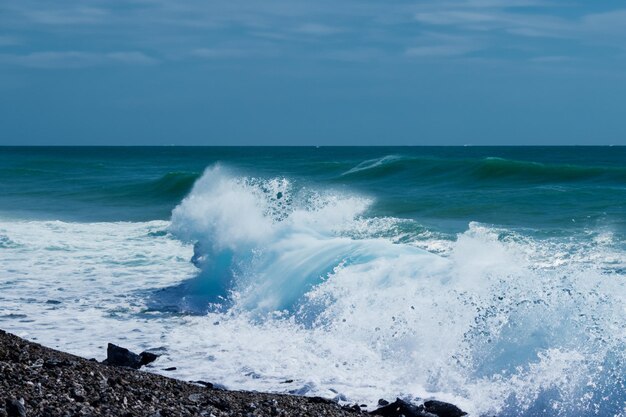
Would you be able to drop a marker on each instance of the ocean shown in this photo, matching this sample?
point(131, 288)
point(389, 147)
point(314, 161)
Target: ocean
point(490, 277)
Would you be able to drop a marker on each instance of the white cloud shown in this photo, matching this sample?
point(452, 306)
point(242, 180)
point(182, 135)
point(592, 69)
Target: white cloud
point(608, 24)
point(551, 59)
point(74, 59)
point(132, 58)
point(9, 41)
point(317, 29)
point(219, 53)
point(440, 45)
point(67, 16)
point(323, 29)
point(236, 50)
point(353, 55)
point(440, 50)
point(506, 17)
point(521, 24)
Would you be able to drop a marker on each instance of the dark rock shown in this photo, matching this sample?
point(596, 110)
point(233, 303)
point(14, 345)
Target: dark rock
point(204, 383)
point(15, 408)
point(352, 408)
point(171, 368)
point(383, 402)
point(119, 356)
point(54, 363)
point(54, 383)
point(287, 381)
point(95, 401)
point(147, 357)
point(196, 397)
point(78, 393)
point(401, 408)
point(220, 404)
point(443, 409)
point(319, 400)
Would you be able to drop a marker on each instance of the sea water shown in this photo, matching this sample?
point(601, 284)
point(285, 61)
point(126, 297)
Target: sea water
point(493, 278)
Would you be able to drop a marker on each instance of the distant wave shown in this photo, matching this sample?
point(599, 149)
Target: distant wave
point(488, 169)
point(499, 168)
point(168, 188)
point(379, 164)
point(171, 186)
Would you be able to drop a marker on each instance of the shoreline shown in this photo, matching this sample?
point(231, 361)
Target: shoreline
point(39, 381)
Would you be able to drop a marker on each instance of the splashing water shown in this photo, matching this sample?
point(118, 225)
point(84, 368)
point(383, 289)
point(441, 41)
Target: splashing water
point(293, 282)
point(492, 322)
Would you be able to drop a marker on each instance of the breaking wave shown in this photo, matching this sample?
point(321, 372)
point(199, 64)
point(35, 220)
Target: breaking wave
point(494, 320)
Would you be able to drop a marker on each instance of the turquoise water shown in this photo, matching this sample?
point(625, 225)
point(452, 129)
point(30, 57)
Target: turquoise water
point(493, 277)
point(548, 188)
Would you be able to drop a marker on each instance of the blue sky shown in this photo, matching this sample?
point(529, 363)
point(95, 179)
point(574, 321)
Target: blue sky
point(221, 72)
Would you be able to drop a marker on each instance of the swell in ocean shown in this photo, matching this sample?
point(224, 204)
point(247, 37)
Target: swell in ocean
point(96, 180)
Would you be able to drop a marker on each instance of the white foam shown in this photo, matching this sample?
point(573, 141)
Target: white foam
point(497, 322)
point(373, 163)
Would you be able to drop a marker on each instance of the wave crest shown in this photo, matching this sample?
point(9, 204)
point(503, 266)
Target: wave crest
point(492, 324)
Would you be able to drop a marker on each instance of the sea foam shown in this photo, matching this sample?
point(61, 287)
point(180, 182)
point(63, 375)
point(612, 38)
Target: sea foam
point(293, 282)
point(492, 321)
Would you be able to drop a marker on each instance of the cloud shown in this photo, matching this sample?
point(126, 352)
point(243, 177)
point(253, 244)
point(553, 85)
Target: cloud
point(236, 50)
point(219, 53)
point(350, 30)
point(551, 59)
point(131, 58)
point(607, 24)
point(74, 59)
point(353, 55)
point(545, 20)
point(521, 24)
point(9, 41)
point(67, 16)
point(440, 50)
point(317, 29)
point(441, 45)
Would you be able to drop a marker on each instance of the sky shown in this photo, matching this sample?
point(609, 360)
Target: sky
point(313, 72)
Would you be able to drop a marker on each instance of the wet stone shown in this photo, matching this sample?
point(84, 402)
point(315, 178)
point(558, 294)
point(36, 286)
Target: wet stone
point(15, 408)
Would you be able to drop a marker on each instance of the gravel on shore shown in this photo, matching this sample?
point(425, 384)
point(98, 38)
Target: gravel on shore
point(39, 381)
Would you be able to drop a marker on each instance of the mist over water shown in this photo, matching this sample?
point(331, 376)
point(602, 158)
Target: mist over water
point(361, 279)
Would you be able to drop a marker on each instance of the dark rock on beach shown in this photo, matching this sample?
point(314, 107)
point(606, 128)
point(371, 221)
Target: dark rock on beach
point(400, 408)
point(429, 409)
point(120, 356)
point(443, 409)
point(38, 381)
point(15, 408)
point(147, 357)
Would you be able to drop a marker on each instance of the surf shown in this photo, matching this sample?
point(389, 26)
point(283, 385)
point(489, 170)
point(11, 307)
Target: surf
point(481, 323)
point(501, 291)
point(266, 243)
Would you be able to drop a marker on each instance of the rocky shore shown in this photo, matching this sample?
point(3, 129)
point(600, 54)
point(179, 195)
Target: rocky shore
point(38, 381)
